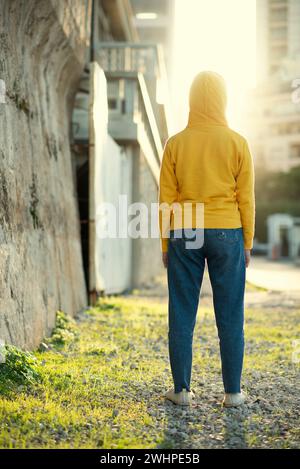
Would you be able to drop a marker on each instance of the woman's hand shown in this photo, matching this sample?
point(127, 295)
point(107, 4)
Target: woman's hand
point(247, 256)
point(165, 259)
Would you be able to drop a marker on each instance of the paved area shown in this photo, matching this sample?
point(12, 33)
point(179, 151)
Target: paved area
point(270, 284)
point(274, 275)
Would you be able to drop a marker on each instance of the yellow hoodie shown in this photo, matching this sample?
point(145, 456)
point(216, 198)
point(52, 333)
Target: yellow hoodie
point(208, 162)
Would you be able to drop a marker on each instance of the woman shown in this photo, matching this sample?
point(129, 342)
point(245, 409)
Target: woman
point(209, 165)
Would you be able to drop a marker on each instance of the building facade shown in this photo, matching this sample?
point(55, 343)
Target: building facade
point(283, 237)
point(119, 134)
point(273, 108)
point(80, 126)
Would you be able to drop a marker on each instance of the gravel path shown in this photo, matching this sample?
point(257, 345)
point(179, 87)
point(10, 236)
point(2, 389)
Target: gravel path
point(271, 417)
point(104, 385)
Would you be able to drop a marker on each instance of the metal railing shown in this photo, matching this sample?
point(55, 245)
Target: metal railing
point(144, 58)
point(129, 57)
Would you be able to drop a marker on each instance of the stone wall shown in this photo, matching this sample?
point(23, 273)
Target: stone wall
point(43, 48)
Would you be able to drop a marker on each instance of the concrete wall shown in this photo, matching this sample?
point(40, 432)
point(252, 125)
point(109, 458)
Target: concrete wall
point(114, 187)
point(146, 263)
point(42, 53)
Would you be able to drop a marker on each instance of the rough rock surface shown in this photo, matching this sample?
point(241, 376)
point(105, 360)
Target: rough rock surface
point(42, 54)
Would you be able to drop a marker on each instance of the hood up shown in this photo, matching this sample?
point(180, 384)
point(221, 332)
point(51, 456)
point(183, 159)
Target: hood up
point(207, 100)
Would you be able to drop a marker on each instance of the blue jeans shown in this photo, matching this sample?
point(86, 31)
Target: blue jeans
point(224, 251)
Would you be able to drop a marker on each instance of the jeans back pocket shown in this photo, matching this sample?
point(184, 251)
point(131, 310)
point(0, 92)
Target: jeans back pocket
point(229, 235)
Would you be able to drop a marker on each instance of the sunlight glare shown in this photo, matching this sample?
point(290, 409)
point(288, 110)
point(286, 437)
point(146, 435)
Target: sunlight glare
point(213, 35)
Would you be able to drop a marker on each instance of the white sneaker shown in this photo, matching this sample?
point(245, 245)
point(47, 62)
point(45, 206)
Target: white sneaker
point(180, 398)
point(234, 400)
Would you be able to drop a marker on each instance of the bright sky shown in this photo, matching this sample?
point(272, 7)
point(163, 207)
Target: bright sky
point(214, 35)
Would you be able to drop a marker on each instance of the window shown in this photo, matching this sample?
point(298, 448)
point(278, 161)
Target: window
point(112, 103)
point(123, 106)
point(278, 52)
point(278, 33)
point(295, 150)
point(113, 96)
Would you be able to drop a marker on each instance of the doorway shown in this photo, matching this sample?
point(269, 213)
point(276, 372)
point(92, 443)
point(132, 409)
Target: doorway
point(80, 160)
point(284, 241)
point(82, 178)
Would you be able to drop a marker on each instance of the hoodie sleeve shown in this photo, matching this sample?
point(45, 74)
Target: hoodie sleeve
point(167, 194)
point(245, 195)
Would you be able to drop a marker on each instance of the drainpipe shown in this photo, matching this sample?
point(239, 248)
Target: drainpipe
point(92, 52)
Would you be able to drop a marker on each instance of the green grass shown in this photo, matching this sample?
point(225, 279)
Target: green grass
point(19, 371)
point(251, 287)
point(101, 381)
